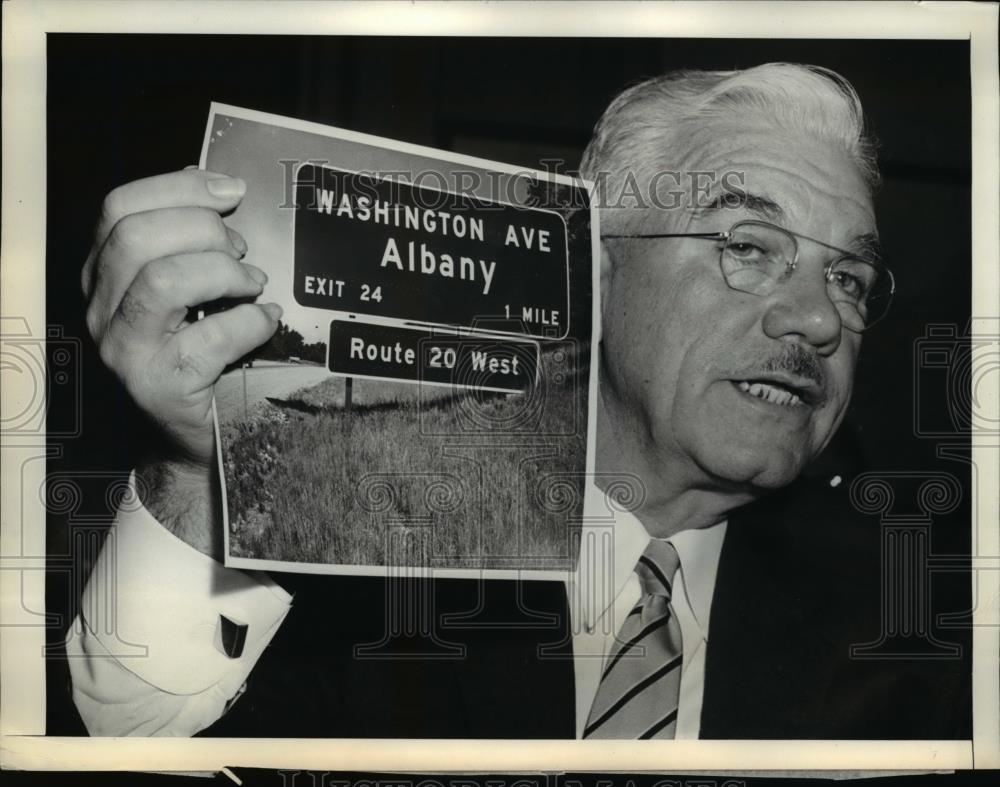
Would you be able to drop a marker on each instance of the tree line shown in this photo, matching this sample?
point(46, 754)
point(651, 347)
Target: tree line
point(285, 344)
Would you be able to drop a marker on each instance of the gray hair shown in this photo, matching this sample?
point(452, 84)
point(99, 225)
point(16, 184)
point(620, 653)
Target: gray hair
point(651, 126)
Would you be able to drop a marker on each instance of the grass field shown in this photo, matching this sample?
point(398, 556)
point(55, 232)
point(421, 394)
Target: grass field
point(416, 475)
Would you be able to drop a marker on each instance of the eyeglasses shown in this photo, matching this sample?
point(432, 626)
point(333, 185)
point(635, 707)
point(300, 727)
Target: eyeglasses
point(756, 257)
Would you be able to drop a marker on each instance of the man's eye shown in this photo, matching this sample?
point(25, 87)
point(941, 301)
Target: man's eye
point(853, 279)
point(849, 284)
point(746, 251)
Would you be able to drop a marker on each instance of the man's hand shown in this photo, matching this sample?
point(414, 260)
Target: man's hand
point(160, 249)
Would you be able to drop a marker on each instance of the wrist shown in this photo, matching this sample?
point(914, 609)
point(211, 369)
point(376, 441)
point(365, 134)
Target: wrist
point(185, 498)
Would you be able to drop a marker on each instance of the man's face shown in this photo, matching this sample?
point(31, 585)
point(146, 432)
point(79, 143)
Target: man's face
point(681, 348)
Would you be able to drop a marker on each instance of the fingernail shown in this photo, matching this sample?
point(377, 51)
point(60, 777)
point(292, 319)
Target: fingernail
point(273, 310)
point(226, 188)
point(257, 275)
point(237, 240)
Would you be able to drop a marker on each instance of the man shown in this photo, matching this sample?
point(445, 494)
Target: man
point(731, 329)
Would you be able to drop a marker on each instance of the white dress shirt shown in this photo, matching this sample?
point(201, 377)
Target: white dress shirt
point(144, 652)
point(605, 588)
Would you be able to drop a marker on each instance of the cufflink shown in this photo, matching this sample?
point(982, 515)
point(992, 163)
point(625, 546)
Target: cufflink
point(230, 637)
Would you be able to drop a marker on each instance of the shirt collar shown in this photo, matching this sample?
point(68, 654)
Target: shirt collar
point(612, 541)
point(699, 551)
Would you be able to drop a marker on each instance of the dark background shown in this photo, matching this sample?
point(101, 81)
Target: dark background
point(122, 107)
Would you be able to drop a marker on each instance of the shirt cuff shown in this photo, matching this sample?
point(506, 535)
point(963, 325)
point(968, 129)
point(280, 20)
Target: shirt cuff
point(154, 603)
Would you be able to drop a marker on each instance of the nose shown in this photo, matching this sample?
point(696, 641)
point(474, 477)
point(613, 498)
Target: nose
point(799, 308)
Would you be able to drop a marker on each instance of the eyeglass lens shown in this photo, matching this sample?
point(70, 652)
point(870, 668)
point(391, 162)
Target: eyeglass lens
point(756, 257)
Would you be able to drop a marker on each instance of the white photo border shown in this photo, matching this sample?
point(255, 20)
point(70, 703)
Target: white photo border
point(26, 24)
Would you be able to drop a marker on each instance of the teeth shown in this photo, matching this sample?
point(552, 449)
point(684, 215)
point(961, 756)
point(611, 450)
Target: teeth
point(769, 393)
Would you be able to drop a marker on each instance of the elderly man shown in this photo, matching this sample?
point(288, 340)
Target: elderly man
point(731, 329)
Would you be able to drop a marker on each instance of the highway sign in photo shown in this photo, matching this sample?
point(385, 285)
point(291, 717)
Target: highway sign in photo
point(384, 247)
point(386, 352)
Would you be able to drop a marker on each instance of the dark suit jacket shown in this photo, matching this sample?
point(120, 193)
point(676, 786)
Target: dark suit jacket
point(798, 584)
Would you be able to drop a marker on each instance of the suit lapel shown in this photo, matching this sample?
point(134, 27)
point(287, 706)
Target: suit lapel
point(768, 666)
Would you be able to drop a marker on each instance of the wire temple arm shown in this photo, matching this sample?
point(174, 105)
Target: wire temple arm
point(714, 235)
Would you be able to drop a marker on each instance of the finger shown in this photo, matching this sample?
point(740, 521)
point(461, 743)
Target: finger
point(142, 237)
point(189, 187)
point(204, 348)
point(158, 300)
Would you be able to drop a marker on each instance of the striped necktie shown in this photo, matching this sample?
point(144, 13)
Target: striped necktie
point(639, 688)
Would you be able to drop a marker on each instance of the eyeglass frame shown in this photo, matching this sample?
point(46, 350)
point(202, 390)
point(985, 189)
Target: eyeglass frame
point(790, 266)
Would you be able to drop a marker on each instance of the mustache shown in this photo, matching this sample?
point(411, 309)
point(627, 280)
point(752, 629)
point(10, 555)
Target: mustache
point(795, 360)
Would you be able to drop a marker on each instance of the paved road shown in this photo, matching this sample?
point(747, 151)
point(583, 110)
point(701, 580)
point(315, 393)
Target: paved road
point(264, 379)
